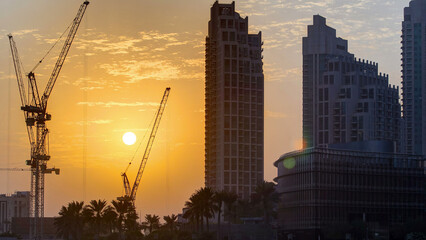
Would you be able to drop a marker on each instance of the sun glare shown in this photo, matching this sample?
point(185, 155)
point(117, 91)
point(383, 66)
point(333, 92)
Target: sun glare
point(129, 138)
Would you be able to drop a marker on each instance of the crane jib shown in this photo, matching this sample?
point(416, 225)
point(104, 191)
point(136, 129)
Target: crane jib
point(132, 194)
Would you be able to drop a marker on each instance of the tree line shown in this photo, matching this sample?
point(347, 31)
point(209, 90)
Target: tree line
point(119, 220)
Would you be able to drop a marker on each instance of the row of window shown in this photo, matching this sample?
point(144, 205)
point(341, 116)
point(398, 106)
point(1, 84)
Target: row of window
point(232, 136)
point(244, 81)
point(243, 150)
point(233, 24)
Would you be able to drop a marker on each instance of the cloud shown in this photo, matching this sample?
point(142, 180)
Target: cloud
point(88, 84)
point(276, 73)
point(118, 104)
point(92, 122)
point(23, 32)
point(136, 71)
point(156, 35)
point(131, 130)
point(109, 44)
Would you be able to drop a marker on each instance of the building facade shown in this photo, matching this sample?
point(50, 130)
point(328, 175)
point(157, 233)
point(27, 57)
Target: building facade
point(325, 189)
point(344, 99)
point(234, 89)
point(414, 77)
point(15, 205)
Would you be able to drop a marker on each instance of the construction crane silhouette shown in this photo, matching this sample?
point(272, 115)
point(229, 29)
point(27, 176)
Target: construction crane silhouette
point(130, 193)
point(35, 112)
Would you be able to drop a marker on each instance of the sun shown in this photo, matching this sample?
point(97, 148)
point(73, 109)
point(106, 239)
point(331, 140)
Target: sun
point(129, 138)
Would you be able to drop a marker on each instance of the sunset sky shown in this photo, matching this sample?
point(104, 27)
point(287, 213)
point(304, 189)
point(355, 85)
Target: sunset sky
point(123, 57)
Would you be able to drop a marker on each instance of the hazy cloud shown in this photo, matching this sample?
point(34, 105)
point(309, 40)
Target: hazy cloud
point(136, 71)
point(118, 104)
point(91, 122)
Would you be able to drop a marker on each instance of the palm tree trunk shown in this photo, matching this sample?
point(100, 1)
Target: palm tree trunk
point(207, 223)
point(202, 223)
point(218, 222)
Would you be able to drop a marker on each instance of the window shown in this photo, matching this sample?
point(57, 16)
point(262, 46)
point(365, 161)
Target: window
point(232, 36)
point(227, 65)
point(224, 36)
point(223, 23)
point(230, 23)
point(227, 50)
point(226, 177)
point(348, 92)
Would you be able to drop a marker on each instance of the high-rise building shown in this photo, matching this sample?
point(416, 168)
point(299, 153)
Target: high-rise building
point(234, 103)
point(13, 206)
point(414, 77)
point(344, 99)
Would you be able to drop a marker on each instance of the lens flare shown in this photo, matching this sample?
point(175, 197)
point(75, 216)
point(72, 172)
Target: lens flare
point(289, 163)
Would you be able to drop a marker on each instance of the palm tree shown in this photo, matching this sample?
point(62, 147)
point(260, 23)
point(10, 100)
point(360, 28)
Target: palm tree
point(152, 222)
point(229, 200)
point(97, 211)
point(208, 206)
point(266, 195)
point(110, 219)
point(132, 228)
point(220, 198)
point(122, 208)
point(70, 223)
point(170, 222)
point(193, 211)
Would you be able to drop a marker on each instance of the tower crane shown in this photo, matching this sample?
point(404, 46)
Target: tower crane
point(130, 193)
point(35, 113)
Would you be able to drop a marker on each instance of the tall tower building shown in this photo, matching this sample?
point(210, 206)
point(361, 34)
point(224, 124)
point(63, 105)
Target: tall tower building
point(414, 76)
point(345, 99)
point(234, 103)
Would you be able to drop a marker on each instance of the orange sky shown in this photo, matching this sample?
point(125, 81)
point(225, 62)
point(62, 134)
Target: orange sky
point(125, 54)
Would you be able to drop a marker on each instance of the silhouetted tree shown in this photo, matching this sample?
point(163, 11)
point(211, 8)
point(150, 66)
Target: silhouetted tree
point(110, 219)
point(125, 215)
point(208, 206)
point(70, 223)
point(152, 222)
point(96, 209)
point(220, 198)
point(170, 222)
point(194, 210)
point(265, 194)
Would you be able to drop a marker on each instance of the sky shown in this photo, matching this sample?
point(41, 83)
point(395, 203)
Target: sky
point(123, 57)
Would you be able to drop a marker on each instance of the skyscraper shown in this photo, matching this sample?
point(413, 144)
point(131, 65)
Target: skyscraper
point(344, 99)
point(414, 77)
point(234, 103)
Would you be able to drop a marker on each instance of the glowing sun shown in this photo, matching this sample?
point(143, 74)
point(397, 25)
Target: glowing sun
point(129, 138)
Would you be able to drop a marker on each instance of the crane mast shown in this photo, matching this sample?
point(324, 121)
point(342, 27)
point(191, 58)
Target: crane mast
point(35, 113)
point(130, 193)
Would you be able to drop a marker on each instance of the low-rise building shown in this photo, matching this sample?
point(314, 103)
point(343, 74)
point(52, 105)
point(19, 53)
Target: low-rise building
point(321, 188)
point(15, 205)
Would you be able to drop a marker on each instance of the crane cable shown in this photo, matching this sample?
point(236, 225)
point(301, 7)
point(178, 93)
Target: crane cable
point(56, 42)
point(140, 143)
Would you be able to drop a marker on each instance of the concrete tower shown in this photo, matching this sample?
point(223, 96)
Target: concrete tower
point(234, 103)
point(414, 77)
